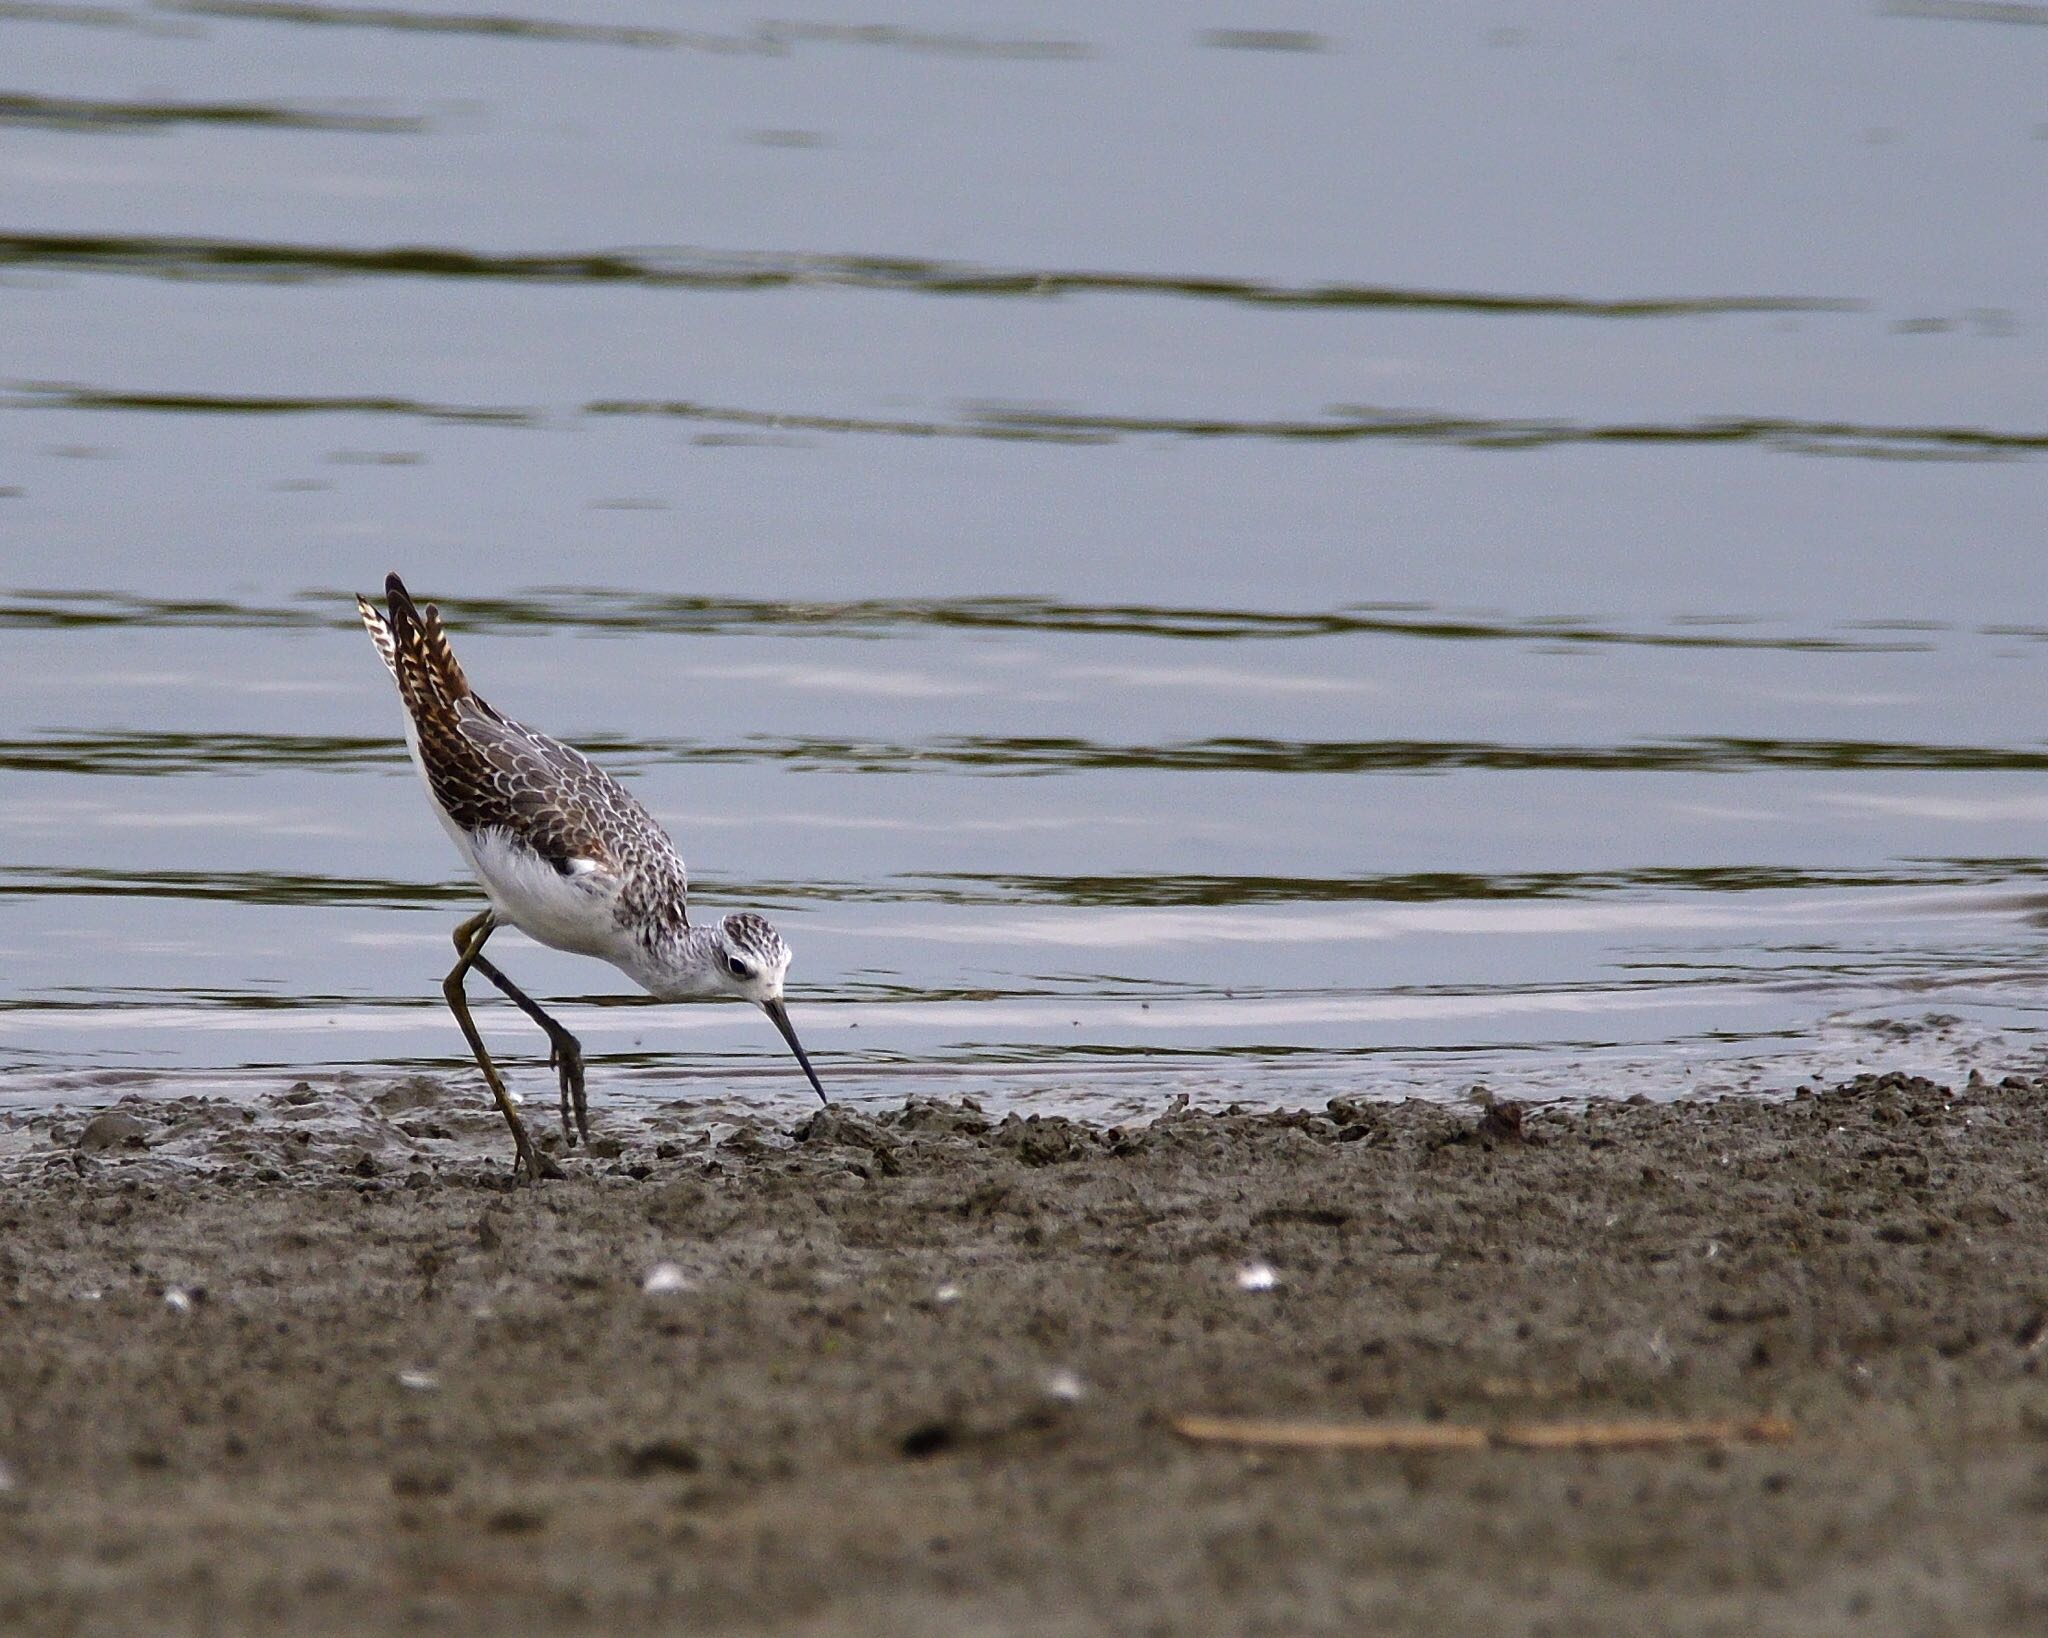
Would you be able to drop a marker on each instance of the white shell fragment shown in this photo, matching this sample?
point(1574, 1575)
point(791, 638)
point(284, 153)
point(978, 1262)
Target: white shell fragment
point(1257, 1277)
point(946, 1293)
point(665, 1278)
point(178, 1300)
point(419, 1381)
point(1064, 1386)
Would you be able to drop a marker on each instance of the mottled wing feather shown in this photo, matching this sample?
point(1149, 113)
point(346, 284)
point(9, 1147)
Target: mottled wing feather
point(569, 811)
point(488, 772)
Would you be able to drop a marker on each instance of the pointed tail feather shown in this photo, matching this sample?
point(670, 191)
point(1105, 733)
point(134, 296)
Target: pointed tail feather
point(380, 634)
point(442, 657)
point(428, 676)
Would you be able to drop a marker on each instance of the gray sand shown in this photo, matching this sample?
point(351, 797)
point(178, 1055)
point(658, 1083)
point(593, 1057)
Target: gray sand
point(918, 1375)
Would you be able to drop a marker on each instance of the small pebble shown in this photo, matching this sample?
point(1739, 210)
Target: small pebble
point(419, 1381)
point(946, 1293)
point(1064, 1386)
point(178, 1300)
point(663, 1279)
point(1257, 1277)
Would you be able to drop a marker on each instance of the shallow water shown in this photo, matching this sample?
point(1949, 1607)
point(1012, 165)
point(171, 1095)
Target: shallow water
point(1372, 554)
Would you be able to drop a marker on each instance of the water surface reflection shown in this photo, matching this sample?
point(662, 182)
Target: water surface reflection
point(1240, 557)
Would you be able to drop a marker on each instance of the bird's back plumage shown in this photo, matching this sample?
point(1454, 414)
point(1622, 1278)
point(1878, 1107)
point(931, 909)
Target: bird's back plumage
point(521, 804)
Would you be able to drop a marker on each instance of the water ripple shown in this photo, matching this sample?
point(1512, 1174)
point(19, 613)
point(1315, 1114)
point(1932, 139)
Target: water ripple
point(493, 25)
point(136, 752)
point(1342, 424)
point(1969, 11)
point(92, 114)
point(686, 268)
point(768, 39)
point(983, 891)
point(92, 16)
point(610, 610)
point(1359, 423)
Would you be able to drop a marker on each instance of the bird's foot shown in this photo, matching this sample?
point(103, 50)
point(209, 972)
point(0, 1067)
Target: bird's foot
point(566, 1058)
point(529, 1164)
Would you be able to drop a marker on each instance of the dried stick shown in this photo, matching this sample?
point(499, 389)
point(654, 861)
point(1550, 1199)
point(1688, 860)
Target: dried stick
point(1430, 1436)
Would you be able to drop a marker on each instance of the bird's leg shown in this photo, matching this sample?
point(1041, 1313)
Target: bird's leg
point(565, 1052)
point(469, 940)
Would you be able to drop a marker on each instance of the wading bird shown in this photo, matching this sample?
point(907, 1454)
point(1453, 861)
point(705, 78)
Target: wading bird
point(565, 854)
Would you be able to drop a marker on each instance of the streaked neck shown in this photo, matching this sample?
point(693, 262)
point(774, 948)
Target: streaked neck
point(681, 966)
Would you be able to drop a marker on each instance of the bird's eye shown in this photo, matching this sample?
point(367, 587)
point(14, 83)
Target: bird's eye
point(738, 968)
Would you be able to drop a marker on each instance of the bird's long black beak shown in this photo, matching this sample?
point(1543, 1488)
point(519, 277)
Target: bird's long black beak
point(780, 1015)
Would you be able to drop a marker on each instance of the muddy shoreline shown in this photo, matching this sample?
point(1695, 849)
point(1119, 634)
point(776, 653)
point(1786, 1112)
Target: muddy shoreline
point(312, 1363)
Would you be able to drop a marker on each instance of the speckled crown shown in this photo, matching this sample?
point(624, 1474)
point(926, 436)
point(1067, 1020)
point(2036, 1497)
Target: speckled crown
point(747, 932)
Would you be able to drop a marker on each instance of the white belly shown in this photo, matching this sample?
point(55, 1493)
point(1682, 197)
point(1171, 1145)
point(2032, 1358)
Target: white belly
point(565, 912)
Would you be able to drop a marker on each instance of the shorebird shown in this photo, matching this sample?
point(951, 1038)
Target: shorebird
point(567, 855)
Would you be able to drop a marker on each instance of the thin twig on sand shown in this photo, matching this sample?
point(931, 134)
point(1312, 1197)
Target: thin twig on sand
point(1430, 1436)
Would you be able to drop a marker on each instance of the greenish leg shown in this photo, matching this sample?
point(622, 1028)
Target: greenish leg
point(469, 942)
point(565, 1053)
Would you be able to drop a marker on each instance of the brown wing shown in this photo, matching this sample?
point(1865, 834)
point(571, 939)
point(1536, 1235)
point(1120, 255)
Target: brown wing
point(503, 775)
point(489, 772)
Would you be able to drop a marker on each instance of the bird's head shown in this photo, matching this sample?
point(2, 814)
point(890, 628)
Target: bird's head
point(751, 961)
point(751, 958)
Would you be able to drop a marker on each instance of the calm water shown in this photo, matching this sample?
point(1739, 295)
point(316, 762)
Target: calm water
point(1259, 554)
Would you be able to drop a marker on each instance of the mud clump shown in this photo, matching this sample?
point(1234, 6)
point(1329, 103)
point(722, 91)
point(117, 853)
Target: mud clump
point(415, 1394)
point(114, 1130)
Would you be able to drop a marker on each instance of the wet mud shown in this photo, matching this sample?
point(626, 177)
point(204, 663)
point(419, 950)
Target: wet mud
point(313, 1363)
